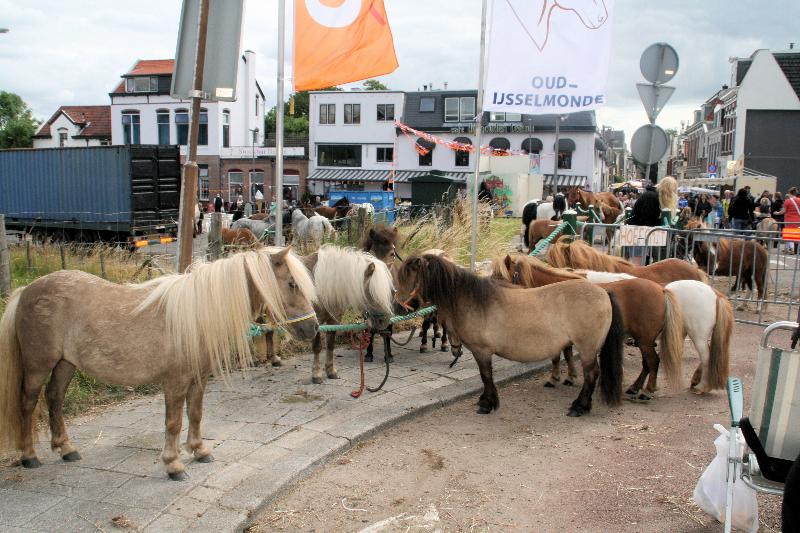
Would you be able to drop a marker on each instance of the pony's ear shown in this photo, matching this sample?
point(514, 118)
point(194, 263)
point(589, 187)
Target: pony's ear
point(508, 261)
point(280, 257)
point(370, 270)
point(371, 233)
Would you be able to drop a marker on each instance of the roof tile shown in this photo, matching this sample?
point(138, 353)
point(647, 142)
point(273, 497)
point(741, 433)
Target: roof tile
point(95, 120)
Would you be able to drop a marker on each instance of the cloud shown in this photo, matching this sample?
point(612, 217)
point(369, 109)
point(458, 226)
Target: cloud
point(61, 53)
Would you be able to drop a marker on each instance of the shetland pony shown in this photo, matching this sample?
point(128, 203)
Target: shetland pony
point(573, 253)
point(173, 330)
point(337, 210)
point(539, 230)
point(238, 237)
point(258, 227)
point(576, 195)
point(535, 210)
point(310, 230)
point(704, 314)
point(381, 241)
point(746, 260)
point(516, 331)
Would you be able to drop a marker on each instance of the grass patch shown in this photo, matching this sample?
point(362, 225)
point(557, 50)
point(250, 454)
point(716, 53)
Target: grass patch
point(85, 393)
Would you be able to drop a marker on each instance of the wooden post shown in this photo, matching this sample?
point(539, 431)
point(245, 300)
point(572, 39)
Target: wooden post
point(28, 239)
point(103, 263)
point(5, 261)
point(215, 237)
point(362, 222)
point(63, 255)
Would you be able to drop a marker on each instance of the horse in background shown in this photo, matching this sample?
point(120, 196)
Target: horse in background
point(310, 230)
point(567, 252)
point(259, 228)
point(132, 334)
point(747, 261)
point(536, 210)
point(540, 229)
point(337, 210)
point(578, 196)
point(239, 237)
point(468, 303)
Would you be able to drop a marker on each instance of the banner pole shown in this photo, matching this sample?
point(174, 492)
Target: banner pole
point(555, 163)
point(478, 127)
point(279, 126)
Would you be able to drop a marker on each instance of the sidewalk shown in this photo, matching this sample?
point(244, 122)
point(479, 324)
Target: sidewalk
point(267, 430)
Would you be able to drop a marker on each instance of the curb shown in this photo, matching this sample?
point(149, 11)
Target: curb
point(337, 433)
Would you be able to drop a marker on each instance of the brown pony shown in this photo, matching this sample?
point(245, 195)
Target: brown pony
point(239, 237)
point(574, 253)
point(576, 195)
point(648, 312)
point(538, 230)
point(337, 210)
point(259, 216)
point(725, 258)
point(153, 332)
point(525, 324)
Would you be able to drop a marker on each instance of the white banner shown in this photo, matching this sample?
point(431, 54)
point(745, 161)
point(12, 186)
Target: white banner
point(548, 56)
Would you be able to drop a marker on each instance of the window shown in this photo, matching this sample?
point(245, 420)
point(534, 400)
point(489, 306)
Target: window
point(426, 160)
point(467, 108)
point(235, 184)
point(327, 113)
point(202, 186)
point(256, 182)
point(462, 158)
point(385, 154)
point(131, 127)
point(427, 104)
point(202, 134)
point(62, 137)
point(565, 160)
point(352, 113)
point(339, 155)
point(385, 112)
point(182, 126)
point(162, 119)
point(451, 109)
point(141, 84)
point(502, 116)
point(256, 105)
point(226, 128)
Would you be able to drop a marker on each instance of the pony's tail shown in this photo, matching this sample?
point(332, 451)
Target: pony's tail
point(611, 357)
point(10, 379)
point(672, 337)
point(719, 357)
point(328, 227)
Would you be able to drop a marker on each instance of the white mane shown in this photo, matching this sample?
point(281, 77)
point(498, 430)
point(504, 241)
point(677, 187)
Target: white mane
point(339, 277)
point(604, 277)
point(208, 310)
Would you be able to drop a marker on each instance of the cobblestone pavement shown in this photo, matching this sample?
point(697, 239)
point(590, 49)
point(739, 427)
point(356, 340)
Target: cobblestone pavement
point(267, 429)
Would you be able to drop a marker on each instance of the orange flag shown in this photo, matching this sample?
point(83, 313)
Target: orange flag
point(340, 41)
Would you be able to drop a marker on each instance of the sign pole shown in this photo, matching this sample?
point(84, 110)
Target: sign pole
point(478, 128)
point(279, 126)
point(555, 163)
point(190, 169)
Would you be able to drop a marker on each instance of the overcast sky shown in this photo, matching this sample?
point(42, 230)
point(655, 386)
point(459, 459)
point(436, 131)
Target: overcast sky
point(73, 52)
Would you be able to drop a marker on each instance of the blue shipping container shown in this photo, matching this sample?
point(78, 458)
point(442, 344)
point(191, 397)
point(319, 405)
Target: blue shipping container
point(383, 201)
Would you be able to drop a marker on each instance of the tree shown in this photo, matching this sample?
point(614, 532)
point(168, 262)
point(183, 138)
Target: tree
point(374, 85)
point(17, 125)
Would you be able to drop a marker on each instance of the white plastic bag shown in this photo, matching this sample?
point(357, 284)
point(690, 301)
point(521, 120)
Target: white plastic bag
point(711, 490)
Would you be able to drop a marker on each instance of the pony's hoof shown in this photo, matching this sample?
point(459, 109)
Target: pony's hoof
point(71, 457)
point(316, 380)
point(389, 359)
point(33, 462)
point(423, 349)
point(333, 375)
point(569, 382)
point(574, 413)
point(445, 348)
point(277, 363)
point(484, 409)
point(205, 459)
point(631, 392)
point(549, 385)
point(368, 358)
point(178, 476)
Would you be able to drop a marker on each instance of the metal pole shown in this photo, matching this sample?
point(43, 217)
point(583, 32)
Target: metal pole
point(279, 126)
point(478, 127)
point(5, 261)
point(190, 169)
point(555, 163)
point(252, 165)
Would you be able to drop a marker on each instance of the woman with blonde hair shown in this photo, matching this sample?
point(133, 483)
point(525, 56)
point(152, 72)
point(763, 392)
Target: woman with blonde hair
point(668, 195)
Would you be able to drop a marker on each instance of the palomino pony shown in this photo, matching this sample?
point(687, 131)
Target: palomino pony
point(345, 279)
point(491, 317)
point(744, 260)
point(689, 307)
point(574, 253)
point(310, 230)
point(173, 330)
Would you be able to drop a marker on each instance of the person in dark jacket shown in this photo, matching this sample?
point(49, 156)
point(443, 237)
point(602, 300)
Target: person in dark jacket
point(647, 209)
point(218, 204)
point(741, 210)
point(484, 194)
point(703, 207)
point(777, 210)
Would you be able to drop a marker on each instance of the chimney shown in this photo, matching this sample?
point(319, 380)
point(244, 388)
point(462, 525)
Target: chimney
point(445, 86)
point(791, 46)
point(424, 87)
point(430, 85)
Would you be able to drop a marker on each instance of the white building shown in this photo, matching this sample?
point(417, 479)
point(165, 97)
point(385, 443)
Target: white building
point(367, 152)
point(72, 126)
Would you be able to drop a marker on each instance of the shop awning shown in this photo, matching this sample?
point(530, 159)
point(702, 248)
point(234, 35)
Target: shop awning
point(500, 143)
point(365, 176)
point(566, 181)
point(532, 144)
point(566, 145)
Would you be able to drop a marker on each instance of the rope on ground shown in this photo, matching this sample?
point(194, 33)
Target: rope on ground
point(544, 243)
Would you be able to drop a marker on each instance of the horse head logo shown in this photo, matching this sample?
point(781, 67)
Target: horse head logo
point(535, 16)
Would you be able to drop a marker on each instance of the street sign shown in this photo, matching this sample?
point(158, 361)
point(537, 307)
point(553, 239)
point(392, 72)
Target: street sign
point(654, 97)
point(712, 168)
point(649, 144)
point(223, 45)
point(712, 175)
point(659, 63)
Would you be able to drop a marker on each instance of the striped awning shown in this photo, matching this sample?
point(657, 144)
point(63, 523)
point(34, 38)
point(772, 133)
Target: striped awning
point(364, 176)
point(566, 181)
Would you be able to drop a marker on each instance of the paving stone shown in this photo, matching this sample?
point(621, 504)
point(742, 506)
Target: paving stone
point(261, 433)
point(296, 438)
point(87, 483)
point(121, 419)
point(104, 457)
point(72, 515)
point(143, 463)
point(148, 492)
point(219, 429)
point(168, 523)
point(230, 451)
point(229, 477)
point(144, 440)
point(297, 417)
point(265, 456)
point(188, 507)
point(18, 507)
point(217, 518)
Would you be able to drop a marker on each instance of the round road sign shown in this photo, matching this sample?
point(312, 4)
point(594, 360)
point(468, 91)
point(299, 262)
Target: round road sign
point(649, 144)
point(659, 63)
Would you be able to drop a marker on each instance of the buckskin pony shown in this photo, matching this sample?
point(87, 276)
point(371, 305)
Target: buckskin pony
point(468, 303)
point(173, 330)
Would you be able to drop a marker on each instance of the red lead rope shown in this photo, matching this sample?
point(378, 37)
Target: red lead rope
point(362, 341)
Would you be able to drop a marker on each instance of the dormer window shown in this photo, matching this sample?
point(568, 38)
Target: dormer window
point(141, 84)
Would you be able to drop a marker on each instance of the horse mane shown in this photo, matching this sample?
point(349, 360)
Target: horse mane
point(443, 283)
point(574, 253)
point(339, 278)
point(209, 309)
point(530, 271)
point(343, 201)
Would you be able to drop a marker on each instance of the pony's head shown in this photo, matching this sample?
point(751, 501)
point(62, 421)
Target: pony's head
point(381, 241)
point(575, 195)
point(592, 13)
point(298, 216)
point(291, 281)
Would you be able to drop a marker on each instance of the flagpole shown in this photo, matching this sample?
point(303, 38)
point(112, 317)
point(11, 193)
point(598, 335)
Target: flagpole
point(279, 126)
point(478, 128)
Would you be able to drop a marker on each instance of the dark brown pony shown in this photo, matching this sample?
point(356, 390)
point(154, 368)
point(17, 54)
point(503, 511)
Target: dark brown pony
point(649, 312)
point(573, 253)
point(725, 258)
point(381, 241)
point(523, 324)
point(239, 237)
point(337, 210)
